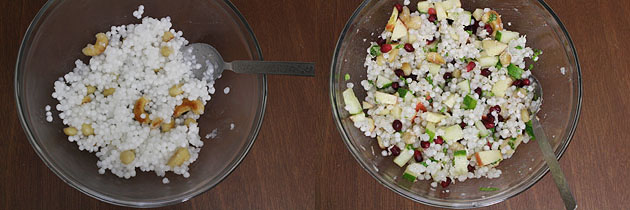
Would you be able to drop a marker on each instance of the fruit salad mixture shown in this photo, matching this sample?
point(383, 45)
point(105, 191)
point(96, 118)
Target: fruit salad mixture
point(449, 93)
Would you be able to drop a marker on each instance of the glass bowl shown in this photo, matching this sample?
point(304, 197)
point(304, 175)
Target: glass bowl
point(559, 113)
point(54, 41)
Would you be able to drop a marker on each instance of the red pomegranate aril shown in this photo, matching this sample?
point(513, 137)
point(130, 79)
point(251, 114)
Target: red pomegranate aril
point(432, 18)
point(485, 72)
point(448, 75)
point(439, 140)
point(395, 150)
point(500, 118)
point(525, 82)
point(398, 7)
point(432, 11)
point(425, 144)
point(478, 91)
point(397, 125)
point(471, 65)
point(488, 28)
point(380, 41)
point(409, 48)
point(471, 168)
point(462, 125)
point(417, 155)
point(399, 72)
point(495, 108)
point(488, 125)
point(431, 41)
point(517, 83)
point(386, 48)
point(395, 85)
point(445, 184)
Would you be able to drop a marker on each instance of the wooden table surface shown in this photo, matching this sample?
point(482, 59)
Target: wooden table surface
point(318, 172)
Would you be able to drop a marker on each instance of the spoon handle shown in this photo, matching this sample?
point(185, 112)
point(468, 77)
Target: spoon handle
point(273, 67)
point(554, 166)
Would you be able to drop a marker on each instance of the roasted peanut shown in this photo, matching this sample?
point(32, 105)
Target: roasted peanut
point(435, 58)
point(188, 121)
point(405, 16)
point(87, 129)
point(195, 106)
point(415, 22)
point(175, 90)
point(409, 138)
point(505, 58)
point(181, 155)
point(138, 110)
point(167, 36)
point(98, 47)
point(156, 123)
point(109, 92)
point(166, 51)
point(86, 99)
point(70, 131)
point(127, 156)
point(166, 127)
point(494, 19)
point(90, 89)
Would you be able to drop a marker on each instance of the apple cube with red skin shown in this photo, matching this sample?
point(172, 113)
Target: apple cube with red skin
point(488, 157)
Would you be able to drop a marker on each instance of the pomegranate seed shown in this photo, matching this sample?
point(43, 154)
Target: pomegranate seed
point(398, 7)
point(432, 18)
point(432, 11)
point(448, 75)
point(386, 48)
point(488, 121)
point(478, 91)
point(409, 47)
point(485, 72)
point(395, 150)
point(397, 125)
point(500, 118)
point(471, 65)
point(471, 168)
point(488, 125)
point(431, 41)
point(395, 85)
point(462, 125)
point(439, 140)
point(446, 183)
point(399, 72)
point(489, 144)
point(417, 155)
point(517, 83)
point(380, 41)
point(425, 144)
point(496, 108)
point(525, 82)
point(472, 27)
point(488, 28)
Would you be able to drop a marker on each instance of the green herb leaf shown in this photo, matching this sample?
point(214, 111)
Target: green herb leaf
point(498, 65)
point(514, 71)
point(375, 50)
point(530, 130)
point(424, 163)
point(346, 77)
point(402, 92)
point(487, 94)
point(443, 110)
point(469, 32)
point(431, 100)
point(433, 159)
point(444, 150)
point(409, 146)
point(429, 79)
point(409, 177)
point(399, 46)
point(493, 17)
point(431, 135)
point(531, 66)
point(488, 189)
point(371, 82)
point(519, 47)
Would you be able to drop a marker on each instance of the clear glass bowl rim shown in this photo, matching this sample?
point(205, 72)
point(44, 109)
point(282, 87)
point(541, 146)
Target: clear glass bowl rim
point(538, 174)
point(17, 90)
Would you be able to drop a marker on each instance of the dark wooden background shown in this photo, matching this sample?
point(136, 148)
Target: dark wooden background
point(299, 160)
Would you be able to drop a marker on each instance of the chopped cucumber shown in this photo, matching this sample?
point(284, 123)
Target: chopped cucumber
point(506, 36)
point(514, 71)
point(461, 162)
point(488, 61)
point(402, 92)
point(412, 171)
point(384, 98)
point(483, 132)
point(530, 130)
point(404, 157)
point(352, 103)
point(383, 82)
point(469, 102)
point(453, 133)
point(464, 87)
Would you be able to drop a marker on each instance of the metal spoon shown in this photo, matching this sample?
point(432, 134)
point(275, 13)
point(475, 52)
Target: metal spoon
point(550, 157)
point(207, 55)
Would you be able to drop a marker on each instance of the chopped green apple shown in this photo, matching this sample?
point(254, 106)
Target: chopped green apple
point(450, 101)
point(461, 162)
point(383, 82)
point(412, 171)
point(434, 69)
point(464, 17)
point(464, 87)
point(384, 98)
point(379, 140)
point(488, 61)
point(439, 9)
point(478, 13)
point(352, 103)
point(453, 133)
point(367, 105)
point(525, 115)
point(395, 112)
point(493, 47)
point(358, 117)
point(483, 132)
point(423, 6)
point(501, 86)
point(434, 117)
point(392, 20)
point(404, 157)
point(506, 36)
point(488, 157)
point(400, 30)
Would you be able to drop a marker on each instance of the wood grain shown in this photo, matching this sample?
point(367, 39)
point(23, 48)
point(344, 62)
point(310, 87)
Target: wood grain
point(299, 160)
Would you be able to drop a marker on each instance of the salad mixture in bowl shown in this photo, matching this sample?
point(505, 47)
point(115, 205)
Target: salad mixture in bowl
point(448, 92)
